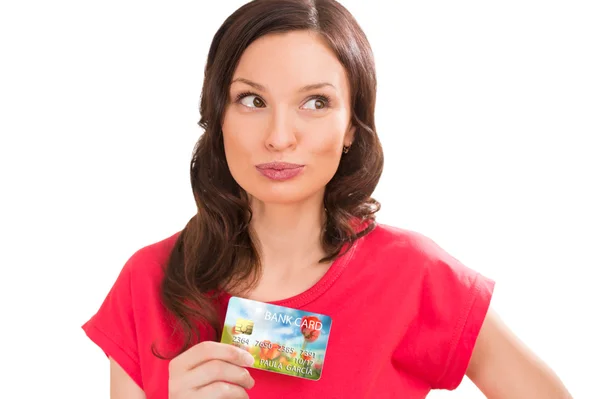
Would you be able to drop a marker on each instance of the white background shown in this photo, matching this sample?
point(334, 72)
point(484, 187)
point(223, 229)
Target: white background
point(489, 116)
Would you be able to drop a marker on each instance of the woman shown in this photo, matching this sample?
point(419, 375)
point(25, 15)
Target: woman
point(282, 178)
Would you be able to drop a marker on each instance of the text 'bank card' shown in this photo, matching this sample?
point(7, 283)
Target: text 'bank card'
point(283, 340)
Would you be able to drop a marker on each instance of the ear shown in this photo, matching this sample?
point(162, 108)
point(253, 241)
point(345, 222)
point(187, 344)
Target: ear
point(349, 136)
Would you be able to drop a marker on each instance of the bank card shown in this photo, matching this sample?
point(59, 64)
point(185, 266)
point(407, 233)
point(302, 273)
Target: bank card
point(281, 339)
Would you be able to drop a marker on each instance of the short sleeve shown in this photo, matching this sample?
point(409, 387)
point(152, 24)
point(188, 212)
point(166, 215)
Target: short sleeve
point(113, 327)
point(452, 305)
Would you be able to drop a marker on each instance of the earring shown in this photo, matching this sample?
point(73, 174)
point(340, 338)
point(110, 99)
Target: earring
point(346, 149)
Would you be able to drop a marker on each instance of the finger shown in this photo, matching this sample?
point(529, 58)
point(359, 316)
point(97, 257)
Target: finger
point(217, 370)
point(222, 390)
point(209, 350)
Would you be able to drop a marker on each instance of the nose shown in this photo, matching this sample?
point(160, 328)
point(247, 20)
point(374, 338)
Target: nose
point(281, 133)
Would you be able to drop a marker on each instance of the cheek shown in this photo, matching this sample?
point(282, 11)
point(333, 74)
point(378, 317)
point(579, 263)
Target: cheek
point(237, 153)
point(327, 138)
point(237, 137)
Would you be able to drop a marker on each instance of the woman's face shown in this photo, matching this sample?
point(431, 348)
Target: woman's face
point(289, 102)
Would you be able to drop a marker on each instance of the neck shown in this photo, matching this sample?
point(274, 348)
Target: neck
point(289, 235)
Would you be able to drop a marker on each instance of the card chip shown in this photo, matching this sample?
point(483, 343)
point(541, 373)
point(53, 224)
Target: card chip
point(244, 326)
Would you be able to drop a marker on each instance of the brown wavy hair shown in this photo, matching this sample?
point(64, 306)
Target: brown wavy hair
point(216, 250)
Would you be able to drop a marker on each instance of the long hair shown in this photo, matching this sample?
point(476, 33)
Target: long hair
point(216, 249)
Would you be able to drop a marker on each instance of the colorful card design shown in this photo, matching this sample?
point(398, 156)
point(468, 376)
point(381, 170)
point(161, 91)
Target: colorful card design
point(283, 340)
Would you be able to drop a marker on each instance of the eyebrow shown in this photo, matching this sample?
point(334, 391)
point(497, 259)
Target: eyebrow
point(258, 86)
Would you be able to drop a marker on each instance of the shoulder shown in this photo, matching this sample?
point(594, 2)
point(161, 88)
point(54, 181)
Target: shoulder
point(412, 254)
point(150, 260)
point(157, 251)
point(131, 315)
point(392, 240)
point(443, 303)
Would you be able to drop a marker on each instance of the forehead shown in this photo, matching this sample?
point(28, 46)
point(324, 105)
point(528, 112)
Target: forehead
point(287, 61)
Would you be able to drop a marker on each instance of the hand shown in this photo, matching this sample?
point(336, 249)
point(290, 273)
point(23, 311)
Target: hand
point(210, 370)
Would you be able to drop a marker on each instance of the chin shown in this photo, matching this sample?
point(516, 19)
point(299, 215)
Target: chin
point(295, 190)
point(284, 193)
point(279, 195)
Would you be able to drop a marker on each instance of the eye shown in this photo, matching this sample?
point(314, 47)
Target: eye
point(319, 102)
point(250, 100)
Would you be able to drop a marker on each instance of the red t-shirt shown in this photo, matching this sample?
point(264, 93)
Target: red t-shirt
point(405, 317)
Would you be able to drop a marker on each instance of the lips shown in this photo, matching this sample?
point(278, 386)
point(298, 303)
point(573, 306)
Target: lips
point(278, 165)
point(280, 171)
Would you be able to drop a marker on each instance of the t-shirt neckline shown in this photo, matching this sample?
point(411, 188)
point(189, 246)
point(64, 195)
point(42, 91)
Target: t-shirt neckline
point(322, 285)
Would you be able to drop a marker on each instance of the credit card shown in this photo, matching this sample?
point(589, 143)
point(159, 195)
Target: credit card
point(281, 339)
